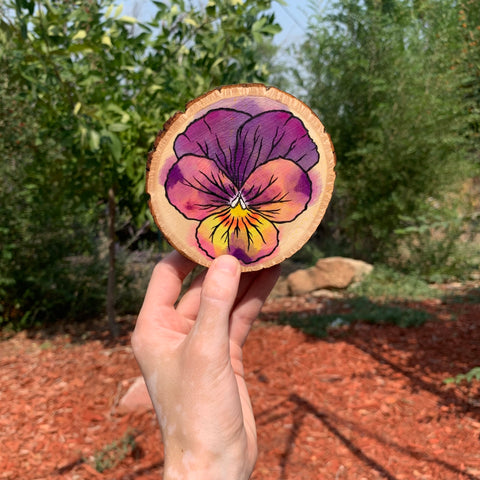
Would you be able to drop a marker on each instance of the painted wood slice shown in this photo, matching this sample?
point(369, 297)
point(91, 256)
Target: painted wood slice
point(246, 170)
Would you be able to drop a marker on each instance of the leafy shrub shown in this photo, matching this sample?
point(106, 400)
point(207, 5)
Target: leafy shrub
point(49, 262)
point(469, 377)
point(386, 283)
point(439, 243)
point(388, 81)
point(84, 92)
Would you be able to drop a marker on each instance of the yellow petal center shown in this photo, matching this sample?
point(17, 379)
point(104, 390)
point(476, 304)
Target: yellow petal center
point(237, 231)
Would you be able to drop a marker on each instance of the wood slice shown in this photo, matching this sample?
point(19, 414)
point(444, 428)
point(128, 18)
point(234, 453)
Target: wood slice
point(246, 170)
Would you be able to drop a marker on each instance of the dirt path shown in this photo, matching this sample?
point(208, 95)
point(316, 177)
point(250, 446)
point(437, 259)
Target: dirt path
point(367, 402)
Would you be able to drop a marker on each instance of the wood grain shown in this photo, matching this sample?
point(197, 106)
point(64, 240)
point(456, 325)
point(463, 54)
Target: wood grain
point(246, 170)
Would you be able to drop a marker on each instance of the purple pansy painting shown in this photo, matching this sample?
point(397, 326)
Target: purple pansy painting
point(240, 176)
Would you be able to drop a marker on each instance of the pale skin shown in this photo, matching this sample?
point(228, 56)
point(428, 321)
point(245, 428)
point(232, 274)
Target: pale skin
point(190, 355)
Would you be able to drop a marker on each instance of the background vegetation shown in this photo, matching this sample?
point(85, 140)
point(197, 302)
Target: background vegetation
point(85, 88)
point(397, 83)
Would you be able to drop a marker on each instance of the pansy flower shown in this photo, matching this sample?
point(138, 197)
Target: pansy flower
point(240, 176)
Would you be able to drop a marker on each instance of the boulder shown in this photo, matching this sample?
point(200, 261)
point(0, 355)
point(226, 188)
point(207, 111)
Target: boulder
point(333, 272)
point(326, 293)
point(301, 282)
point(361, 268)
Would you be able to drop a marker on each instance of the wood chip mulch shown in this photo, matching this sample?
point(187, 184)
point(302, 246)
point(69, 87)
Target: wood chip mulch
point(366, 402)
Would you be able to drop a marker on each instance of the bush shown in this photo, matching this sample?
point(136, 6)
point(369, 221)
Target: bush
point(388, 82)
point(438, 246)
point(42, 230)
point(385, 283)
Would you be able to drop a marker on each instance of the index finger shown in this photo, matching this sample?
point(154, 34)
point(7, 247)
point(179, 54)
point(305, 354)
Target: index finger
point(166, 282)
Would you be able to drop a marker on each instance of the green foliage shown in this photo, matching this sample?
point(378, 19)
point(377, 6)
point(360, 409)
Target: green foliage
point(432, 248)
point(222, 45)
point(388, 284)
point(469, 19)
point(470, 296)
point(379, 299)
point(308, 255)
point(386, 78)
point(40, 228)
point(88, 89)
point(363, 309)
point(360, 309)
point(469, 377)
point(114, 453)
point(102, 84)
point(314, 325)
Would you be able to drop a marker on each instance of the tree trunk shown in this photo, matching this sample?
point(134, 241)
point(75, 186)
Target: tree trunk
point(112, 323)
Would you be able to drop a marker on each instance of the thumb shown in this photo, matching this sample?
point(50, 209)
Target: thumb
point(217, 298)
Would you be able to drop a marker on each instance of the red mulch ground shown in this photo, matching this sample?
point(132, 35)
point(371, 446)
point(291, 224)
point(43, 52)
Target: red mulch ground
point(367, 402)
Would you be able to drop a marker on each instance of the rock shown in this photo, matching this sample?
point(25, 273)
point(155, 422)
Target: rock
point(136, 399)
point(343, 267)
point(361, 268)
point(325, 293)
point(301, 282)
point(332, 272)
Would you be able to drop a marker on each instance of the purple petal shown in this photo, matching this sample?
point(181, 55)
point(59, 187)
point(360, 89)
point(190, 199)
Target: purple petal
point(280, 190)
point(272, 135)
point(213, 136)
point(196, 187)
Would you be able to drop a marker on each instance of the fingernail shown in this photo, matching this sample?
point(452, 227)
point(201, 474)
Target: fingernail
point(227, 263)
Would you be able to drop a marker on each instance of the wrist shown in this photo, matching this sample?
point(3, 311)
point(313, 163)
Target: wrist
point(183, 464)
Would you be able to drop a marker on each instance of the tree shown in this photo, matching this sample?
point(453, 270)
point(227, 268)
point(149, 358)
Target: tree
point(41, 229)
point(469, 21)
point(384, 77)
point(100, 84)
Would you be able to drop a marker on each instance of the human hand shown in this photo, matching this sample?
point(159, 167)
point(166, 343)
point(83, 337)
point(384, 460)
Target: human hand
point(191, 358)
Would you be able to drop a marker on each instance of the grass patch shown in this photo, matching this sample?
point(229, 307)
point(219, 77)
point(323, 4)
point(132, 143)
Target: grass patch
point(364, 309)
point(314, 325)
point(114, 453)
point(359, 309)
point(471, 296)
